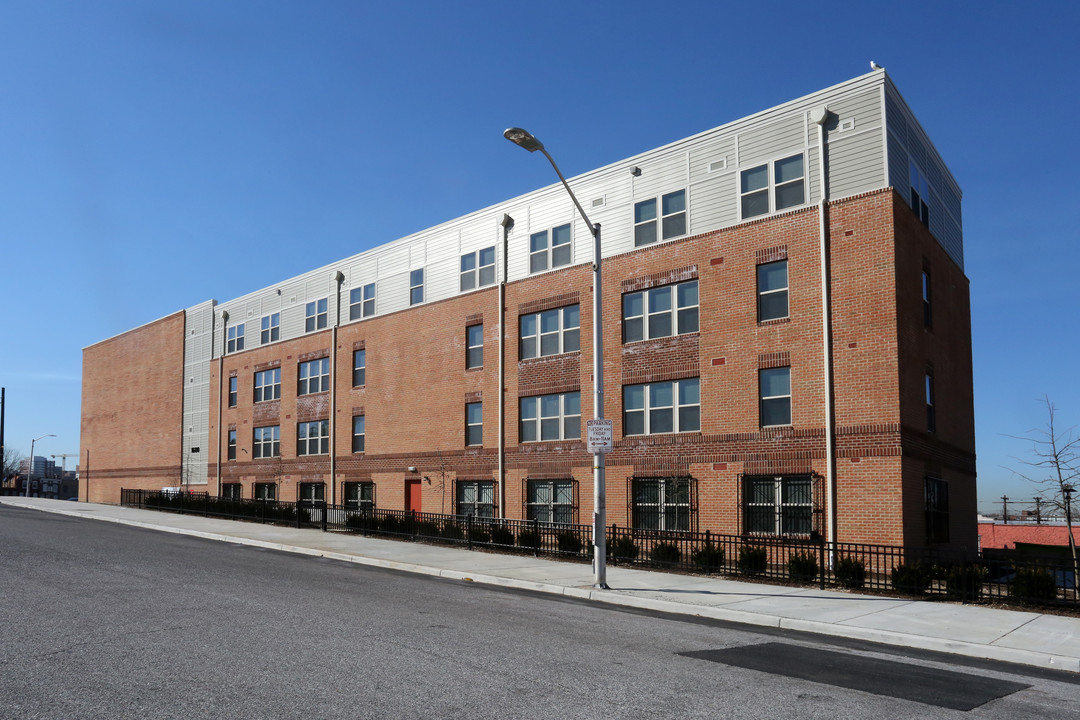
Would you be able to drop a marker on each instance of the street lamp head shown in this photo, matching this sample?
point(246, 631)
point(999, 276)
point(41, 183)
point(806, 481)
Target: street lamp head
point(524, 138)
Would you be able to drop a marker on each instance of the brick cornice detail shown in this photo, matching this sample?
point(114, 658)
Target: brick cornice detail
point(548, 303)
point(658, 279)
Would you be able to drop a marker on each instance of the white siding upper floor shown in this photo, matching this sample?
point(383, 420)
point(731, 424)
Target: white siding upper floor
point(699, 184)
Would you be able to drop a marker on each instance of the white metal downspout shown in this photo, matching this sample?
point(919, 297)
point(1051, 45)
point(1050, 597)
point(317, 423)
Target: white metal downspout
point(221, 384)
point(339, 278)
point(820, 116)
point(507, 223)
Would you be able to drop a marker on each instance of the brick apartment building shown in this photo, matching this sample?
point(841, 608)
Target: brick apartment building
point(396, 378)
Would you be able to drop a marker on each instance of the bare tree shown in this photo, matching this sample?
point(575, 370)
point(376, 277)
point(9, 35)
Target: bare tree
point(12, 458)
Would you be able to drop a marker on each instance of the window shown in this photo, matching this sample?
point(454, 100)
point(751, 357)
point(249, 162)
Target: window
point(313, 377)
point(362, 302)
point(772, 290)
point(232, 491)
point(360, 496)
point(937, 510)
point(232, 445)
point(672, 218)
point(474, 350)
point(660, 312)
point(475, 498)
point(235, 341)
point(416, 287)
point(931, 415)
point(359, 368)
point(315, 316)
point(550, 501)
point(358, 433)
point(474, 423)
point(268, 385)
point(478, 268)
point(550, 332)
point(662, 503)
point(927, 308)
point(312, 492)
point(551, 417)
point(265, 491)
point(271, 328)
point(313, 438)
point(778, 505)
point(920, 194)
point(266, 442)
point(549, 249)
point(786, 182)
point(662, 407)
point(232, 391)
point(775, 387)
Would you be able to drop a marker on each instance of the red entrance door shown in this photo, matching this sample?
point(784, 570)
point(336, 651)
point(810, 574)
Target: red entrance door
point(412, 494)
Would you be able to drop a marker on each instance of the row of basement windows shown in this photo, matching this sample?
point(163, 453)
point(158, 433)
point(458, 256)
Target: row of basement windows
point(764, 189)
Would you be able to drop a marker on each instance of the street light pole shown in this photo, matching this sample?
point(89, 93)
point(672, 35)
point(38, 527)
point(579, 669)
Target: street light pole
point(526, 140)
point(30, 466)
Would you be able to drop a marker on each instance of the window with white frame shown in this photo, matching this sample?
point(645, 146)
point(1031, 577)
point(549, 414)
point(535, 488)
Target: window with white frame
point(416, 287)
point(550, 249)
point(550, 332)
point(270, 328)
point(772, 290)
point(266, 491)
point(550, 417)
point(358, 433)
point(233, 380)
point(313, 376)
point(474, 423)
point(663, 503)
point(474, 346)
point(920, 193)
point(362, 302)
point(648, 227)
point(360, 496)
point(775, 388)
point(232, 445)
point(937, 510)
point(475, 498)
point(235, 341)
point(266, 442)
point(311, 492)
point(313, 438)
point(267, 385)
point(315, 315)
point(550, 501)
point(772, 187)
point(660, 312)
point(359, 367)
point(478, 268)
point(778, 504)
point(673, 406)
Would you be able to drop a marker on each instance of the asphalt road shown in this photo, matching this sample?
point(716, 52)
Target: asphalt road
point(106, 621)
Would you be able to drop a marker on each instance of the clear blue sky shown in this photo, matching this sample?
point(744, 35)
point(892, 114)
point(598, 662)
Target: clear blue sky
point(157, 154)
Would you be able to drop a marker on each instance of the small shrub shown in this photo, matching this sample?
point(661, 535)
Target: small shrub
point(479, 534)
point(452, 531)
point(911, 579)
point(666, 553)
point(964, 582)
point(1033, 585)
point(622, 548)
point(360, 522)
point(390, 524)
point(709, 558)
point(850, 573)
point(752, 560)
point(528, 539)
point(568, 542)
point(802, 567)
point(501, 535)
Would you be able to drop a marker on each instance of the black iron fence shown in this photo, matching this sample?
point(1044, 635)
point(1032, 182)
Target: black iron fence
point(997, 576)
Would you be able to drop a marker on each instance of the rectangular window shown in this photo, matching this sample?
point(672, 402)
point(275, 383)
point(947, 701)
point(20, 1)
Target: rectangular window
point(478, 269)
point(551, 417)
point(937, 510)
point(362, 302)
point(312, 492)
point(360, 496)
point(663, 503)
point(358, 427)
point(672, 218)
point(550, 332)
point(232, 491)
point(660, 312)
point(359, 368)
point(778, 505)
point(920, 194)
point(271, 328)
point(268, 385)
point(474, 346)
point(235, 341)
point(315, 315)
point(232, 445)
point(662, 407)
point(786, 179)
point(927, 308)
point(931, 415)
point(313, 438)
point(476, 498)
point(775, 389)
point(266, 442)
point(313, 377)
point(232, 391)
point(474, 423)
point(550, 249)
point(265, 491)
point(416, 287)
point(550, 501)
point(772, 288)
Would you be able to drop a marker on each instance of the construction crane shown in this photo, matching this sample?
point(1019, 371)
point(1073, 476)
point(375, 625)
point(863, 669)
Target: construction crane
point(63, 461)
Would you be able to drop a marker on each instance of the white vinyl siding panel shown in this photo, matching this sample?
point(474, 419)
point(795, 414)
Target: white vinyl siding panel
point(393, 261)
point(715, 203)
point(856, 164)
point(392, 293)
point(442, 279)
point(661, 176)
point(198, 350)
point(702, 157)
point(773, 141)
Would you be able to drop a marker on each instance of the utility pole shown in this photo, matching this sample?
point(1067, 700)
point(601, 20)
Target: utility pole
point(1038, 511)
point(3, 465)
point(1005, 508)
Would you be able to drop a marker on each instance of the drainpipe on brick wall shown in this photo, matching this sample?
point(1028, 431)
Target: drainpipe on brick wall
point(220, 386)
point(339, 278)
point(507, 223)
point(820, 116)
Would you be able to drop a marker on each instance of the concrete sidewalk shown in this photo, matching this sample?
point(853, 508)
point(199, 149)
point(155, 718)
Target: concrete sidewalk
point(1028, 638)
